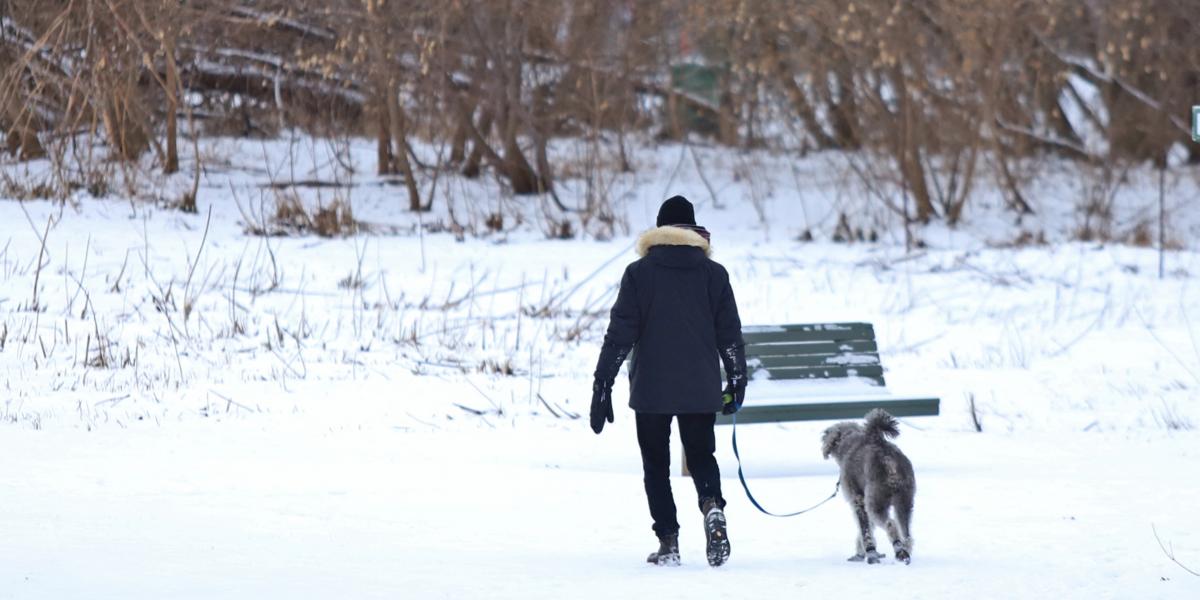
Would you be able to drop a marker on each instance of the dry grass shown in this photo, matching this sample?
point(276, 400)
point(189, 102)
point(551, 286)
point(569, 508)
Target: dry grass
point(292, 217)
point(335, 220)
point(37, 189)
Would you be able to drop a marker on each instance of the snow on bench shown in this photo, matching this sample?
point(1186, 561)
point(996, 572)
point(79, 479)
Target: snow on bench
point(819, 371)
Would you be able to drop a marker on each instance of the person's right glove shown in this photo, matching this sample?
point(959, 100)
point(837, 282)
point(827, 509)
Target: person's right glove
point(611, 357)
point(601, 404)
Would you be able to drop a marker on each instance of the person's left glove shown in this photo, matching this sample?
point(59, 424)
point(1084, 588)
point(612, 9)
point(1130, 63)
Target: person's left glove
point(733, 358)
point(601, 404)
point(733, 396)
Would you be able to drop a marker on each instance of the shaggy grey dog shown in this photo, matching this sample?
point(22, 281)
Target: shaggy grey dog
point(877, 479)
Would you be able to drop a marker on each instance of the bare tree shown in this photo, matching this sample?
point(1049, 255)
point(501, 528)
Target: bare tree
point(935, 91)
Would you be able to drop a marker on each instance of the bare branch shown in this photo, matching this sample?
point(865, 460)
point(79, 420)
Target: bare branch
point(1169, 551)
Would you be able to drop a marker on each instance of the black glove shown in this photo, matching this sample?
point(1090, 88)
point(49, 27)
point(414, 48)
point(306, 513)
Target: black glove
point(733, 398)
point(733, 358)
point(601, 404)
point(609, 363)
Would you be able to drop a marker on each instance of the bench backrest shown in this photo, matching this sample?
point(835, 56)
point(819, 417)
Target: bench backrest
point(813, 351)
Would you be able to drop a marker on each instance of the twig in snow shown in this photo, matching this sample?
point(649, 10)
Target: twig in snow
point(547, 405)
point(1149, 330)
point(1169, 550)
point(189, 297)
point(974, 413)
point(230, 402)
point(37, 275)
point(479, 413)
point(116, 286)
point(474, 411)
point(426, 423)
point(114, 400)
point(565, 413)
point(82, 274)
point(102, 342)
point(913, 346)
point(1191, 332)
point(1100, 317)
point(495, 407)
point(884, 263)
point(163, 302)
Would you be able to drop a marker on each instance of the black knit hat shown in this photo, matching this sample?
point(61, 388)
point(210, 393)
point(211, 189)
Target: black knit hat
point(676, 211)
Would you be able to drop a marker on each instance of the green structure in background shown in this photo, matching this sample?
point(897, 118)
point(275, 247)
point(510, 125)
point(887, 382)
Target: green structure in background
point(699, 83)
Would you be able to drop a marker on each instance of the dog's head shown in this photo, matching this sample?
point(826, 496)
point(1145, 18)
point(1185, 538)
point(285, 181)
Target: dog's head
point(834, 436)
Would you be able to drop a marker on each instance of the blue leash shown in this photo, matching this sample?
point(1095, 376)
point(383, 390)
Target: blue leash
point(764, 511)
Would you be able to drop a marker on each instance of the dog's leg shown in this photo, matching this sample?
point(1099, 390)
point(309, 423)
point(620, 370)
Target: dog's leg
point(877, 511)
point(898, 545)
point(878, 507)
point(866, 537)
point(859, 555)
point(904, 507)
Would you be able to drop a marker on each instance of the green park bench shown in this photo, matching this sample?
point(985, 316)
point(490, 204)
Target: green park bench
point(829, 351)
point(844, 355)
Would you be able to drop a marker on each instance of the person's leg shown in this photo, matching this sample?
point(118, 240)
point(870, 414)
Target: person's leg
point(699, 445)
point(654, 438)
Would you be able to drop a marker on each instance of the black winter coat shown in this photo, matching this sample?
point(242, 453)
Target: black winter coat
point(676, 309)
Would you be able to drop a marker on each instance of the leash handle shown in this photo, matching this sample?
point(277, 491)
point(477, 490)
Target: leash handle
point(742, 478)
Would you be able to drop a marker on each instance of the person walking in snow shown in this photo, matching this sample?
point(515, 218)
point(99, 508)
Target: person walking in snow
point(676, 313)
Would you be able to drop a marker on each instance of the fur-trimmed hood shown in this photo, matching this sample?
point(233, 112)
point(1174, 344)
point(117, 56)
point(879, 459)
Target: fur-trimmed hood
point(669, 235)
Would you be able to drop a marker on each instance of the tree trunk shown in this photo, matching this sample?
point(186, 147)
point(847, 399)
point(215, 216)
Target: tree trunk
point(727, 118)
point(802, 107)
point(843, 110)
point(913, 171)
point(961, 195)
point(399, 125)
point(458, 143)
point(383, 103)
point(24, 144)
point(171, 165)
point(384, 161)
point(674, 128)
point(541, 135)
point(127, 136)
point(912, 167)
point(471, 169)
point(21, 138)
point(520, 174)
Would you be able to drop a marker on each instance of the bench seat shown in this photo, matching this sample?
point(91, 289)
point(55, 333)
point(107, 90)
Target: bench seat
point(819, 371)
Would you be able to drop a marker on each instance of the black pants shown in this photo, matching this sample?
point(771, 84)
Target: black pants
point(699, 444)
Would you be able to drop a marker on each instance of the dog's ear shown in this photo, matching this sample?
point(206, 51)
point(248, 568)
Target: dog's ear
point(829, 441)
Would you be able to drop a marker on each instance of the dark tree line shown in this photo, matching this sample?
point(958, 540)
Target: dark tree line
point(937, 89)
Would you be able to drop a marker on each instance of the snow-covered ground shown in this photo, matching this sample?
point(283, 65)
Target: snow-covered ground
point(258, 509)
point(191, 411)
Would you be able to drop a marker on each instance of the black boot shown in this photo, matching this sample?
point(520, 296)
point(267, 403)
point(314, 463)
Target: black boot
point(668, 551)
point(714, 531)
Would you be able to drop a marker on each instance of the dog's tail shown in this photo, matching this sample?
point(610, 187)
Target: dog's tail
point(881, 425)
